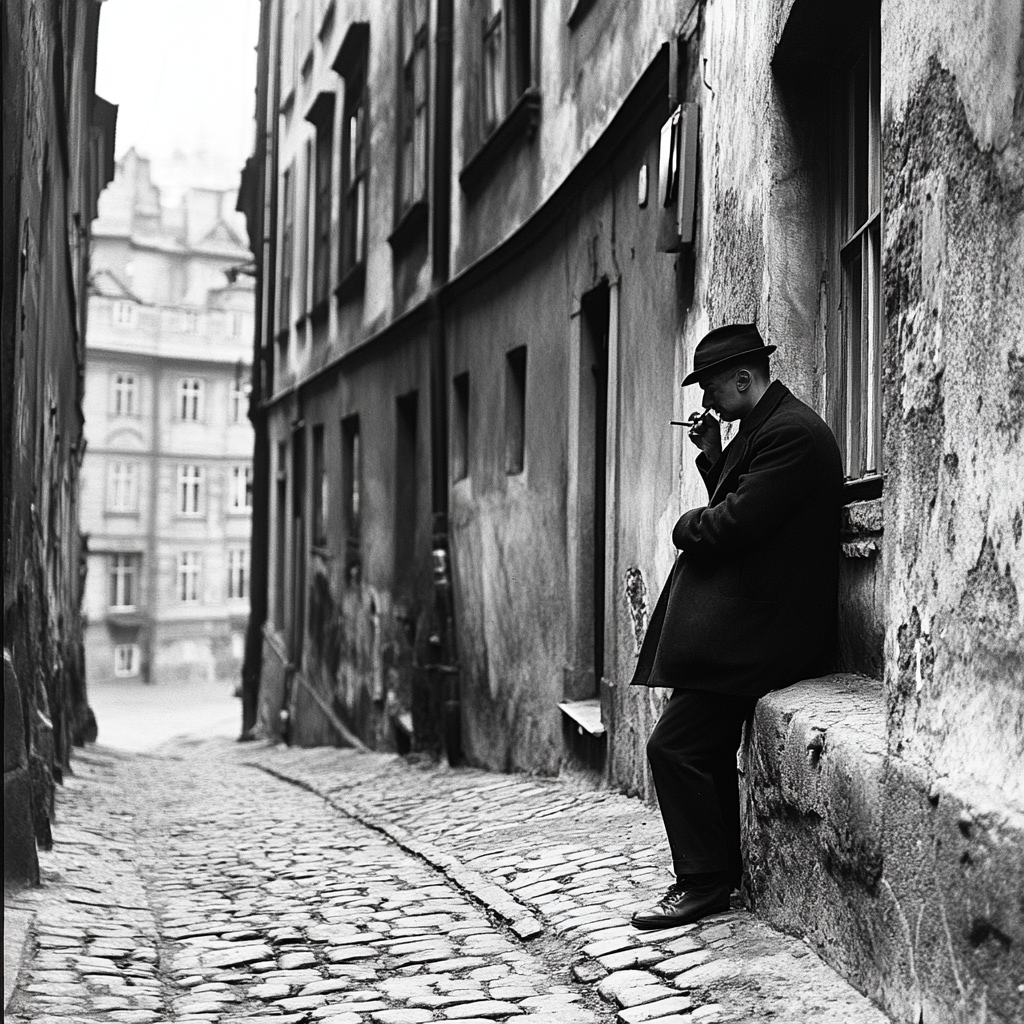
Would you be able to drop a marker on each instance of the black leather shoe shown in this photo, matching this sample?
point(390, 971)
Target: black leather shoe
point(684, 905)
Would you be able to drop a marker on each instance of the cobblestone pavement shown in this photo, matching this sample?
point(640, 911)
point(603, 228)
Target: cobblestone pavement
point(221, 883)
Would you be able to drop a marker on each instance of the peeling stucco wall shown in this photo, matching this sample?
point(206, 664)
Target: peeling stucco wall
point(954, 302)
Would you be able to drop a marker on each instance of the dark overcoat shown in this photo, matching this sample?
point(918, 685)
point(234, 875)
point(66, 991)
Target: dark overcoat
point(750, 605)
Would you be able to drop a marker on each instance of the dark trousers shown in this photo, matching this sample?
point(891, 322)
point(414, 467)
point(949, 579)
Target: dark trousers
point(692, 752)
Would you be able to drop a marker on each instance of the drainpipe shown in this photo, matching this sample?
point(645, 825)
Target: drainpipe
point(264, 252)
point(442, 667)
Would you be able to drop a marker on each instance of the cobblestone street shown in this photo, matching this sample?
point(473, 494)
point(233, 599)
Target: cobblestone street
point(220, 883)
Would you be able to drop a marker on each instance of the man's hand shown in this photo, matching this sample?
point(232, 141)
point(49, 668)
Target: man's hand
point(706, 434)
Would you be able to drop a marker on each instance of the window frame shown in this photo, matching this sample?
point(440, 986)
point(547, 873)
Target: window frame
point(854, 375)
point(193, 388)
point(189, 567)
point(238, 573)
point(352, 65)
point(413, 110)
point(125, 392)
point(512, 73)
point(134, 661)
point(190, 479)
point(321, 116)
point(240, 485)
point(124, 313)
point(284, 309)
point(123, 487)
point(123, 581)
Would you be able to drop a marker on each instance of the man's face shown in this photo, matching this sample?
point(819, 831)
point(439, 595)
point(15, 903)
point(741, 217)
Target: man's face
point(721, 394)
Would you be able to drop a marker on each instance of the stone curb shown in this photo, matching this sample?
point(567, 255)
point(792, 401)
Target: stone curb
point(518, 917)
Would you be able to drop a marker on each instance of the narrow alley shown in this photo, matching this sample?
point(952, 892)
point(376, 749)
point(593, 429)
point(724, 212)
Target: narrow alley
point(213, 882)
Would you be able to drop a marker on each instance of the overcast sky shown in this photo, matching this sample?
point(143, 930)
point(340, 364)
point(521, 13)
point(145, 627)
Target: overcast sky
point(183, 73)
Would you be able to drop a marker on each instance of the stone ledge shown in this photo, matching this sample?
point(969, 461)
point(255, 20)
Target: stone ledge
point(909, 886)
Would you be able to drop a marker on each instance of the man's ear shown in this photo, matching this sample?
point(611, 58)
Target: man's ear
point(742, 379)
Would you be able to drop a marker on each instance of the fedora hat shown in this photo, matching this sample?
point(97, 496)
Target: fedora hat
point(722, 346)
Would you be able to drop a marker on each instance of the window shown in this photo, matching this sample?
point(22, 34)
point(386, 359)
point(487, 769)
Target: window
point(237, 323)
point(238, 574)
point(515, 410)
point(123, 487)
point(352, 485)
point(126, 660)
point(460, 427)
point(303, 262)
point(284, 316)
point(505, 64)
point(190, 480)
point(319, 488)
point(188, 576)
point(190, 399)
point(322, 116)
point(124, 571)
point(189, 322)
point(855, 369)
point(351, 65)
point(237, 400)
point(412, 105)
point(406, 488)
point(124, 314)
point(241, 488)
point(126, 395)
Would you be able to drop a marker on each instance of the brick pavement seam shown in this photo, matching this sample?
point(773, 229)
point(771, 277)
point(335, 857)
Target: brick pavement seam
point(518, 917)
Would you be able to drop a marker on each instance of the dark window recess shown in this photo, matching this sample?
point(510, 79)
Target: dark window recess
point(460, 427)
point(352, 491)
point(405, 488)
point(515, 410)
point(355, 161)
point(321, 115)
point(281, 535)
point(284, 318)
point(412, 106)
point(319, 488)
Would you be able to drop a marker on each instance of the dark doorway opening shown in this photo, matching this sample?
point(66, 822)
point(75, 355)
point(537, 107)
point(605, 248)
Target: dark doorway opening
point(299, 543)
point(595, 311)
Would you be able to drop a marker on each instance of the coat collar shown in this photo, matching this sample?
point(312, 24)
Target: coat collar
point(774, 394)
point(732, 455)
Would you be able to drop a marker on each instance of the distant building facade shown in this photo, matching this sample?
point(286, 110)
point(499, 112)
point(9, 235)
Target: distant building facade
point(167, 476)
point(57, 150)
point(488, 250)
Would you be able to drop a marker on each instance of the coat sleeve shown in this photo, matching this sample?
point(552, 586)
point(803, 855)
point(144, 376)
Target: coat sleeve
point(782, 471)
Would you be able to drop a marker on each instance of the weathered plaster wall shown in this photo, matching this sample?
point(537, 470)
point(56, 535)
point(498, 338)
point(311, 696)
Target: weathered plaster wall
point(508, 531)
point(954, 410)
point(364, 629)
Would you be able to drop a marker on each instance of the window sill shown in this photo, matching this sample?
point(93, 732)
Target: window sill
point(239, 512)
point(866, 488)
point(522, 119)
point(351, 285)
point(288, 102)
point(410, 227)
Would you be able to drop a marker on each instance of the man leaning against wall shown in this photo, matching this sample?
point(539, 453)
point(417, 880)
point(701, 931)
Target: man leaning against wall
point(750, 606)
